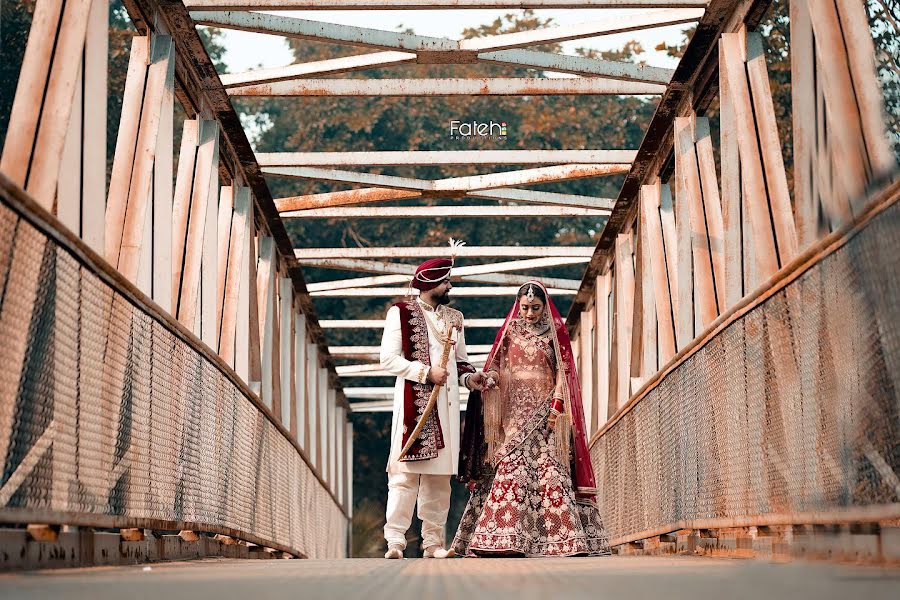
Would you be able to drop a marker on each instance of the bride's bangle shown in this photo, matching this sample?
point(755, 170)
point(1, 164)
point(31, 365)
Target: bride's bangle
point(556, 404)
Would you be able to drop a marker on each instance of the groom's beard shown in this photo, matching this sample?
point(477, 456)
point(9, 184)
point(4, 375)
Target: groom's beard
point(444, 299)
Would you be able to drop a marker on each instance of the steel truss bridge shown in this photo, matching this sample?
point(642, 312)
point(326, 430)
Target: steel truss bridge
point(162, 367)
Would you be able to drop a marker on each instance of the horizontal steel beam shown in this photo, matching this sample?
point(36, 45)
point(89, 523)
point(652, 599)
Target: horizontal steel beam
point(343, 198)
point(442, 158)
point(537, 197)
point(305, 29)
point(353, 35)
point(332, 66)
point(461, 292)
point(608, 26)
point(353, 350)
point(455, 184)
point(578, 65)
point(428, 252)
point(366, 369)
point(434, 212)
point(484, 86)
point(199, 5)
point(377, 194)
point(379, 323)
point(545, 61)
point(387, 280)
point(471, 272)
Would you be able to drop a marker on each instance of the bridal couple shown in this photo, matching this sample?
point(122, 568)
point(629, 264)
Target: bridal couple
point(523, 453)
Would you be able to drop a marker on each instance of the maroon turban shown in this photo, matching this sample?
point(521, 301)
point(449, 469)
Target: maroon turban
point(432, 273)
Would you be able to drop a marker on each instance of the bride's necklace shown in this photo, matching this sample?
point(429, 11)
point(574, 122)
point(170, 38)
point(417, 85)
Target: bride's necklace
point(539, 328)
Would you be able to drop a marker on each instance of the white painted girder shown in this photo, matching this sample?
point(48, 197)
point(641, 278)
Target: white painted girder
point(353, 350)
point(373, 266)
point(461, 292)
point(443, 158)
point(428, 252)
point(578, 65)
point(379, 323)
point(200, 5)
point(608, 26)
point(433, 212)
point(387, 280)
point(484, 86)
point(333, 66)
point(455, 184)
point(306, 29)
point(371, 195)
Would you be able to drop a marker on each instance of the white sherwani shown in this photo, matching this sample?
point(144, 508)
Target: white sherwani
point(425, 483)
point(393, 361)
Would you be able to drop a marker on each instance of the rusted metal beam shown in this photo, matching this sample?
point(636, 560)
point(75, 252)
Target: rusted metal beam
point(608, 26)
point(332, 66)
point(484, 86)
point(578, 65)
point(455, 184)
point(442, 158)
point(533, 196)
point(435, 212)
point(427, 252)
point(306, 29)
point(378, 280)
point(379, 323)
point(380, 267)
point(432, 4)
point(462, 292)
point(367, 195)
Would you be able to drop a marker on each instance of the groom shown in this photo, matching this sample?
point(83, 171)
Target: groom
point(412, 348)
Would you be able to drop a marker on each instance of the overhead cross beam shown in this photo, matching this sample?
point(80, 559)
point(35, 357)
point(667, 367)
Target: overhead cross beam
point(365, 37)
point(547, 61)
point(380, 267)
point(200, 5)
point(525, 86)
point(462, 292)
point(463, 252)
point(379, 324)
point(436, 212)
point(443, 158)
point(507, 279)
point(474, 185)
point(605, 76)
point(371, 195)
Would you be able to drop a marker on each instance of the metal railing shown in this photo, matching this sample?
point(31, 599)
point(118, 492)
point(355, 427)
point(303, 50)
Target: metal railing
point(785, 411)
point(115, 415)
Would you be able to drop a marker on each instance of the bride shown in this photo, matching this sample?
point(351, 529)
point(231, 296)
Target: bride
point(532, 488)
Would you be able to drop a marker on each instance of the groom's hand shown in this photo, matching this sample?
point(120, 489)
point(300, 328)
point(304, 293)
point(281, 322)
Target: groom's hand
point(475, 381)
point(437, 375)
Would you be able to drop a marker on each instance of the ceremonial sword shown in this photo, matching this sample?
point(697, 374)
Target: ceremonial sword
point(432, 400)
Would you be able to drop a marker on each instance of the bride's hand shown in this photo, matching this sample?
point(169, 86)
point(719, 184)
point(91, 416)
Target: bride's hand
point(492, 380)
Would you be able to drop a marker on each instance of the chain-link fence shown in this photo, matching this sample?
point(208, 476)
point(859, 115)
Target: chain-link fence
point(788, 414)
point(110, 416)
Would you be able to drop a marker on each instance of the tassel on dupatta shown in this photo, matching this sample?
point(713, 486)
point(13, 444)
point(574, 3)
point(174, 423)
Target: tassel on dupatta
point(563, 428)
point(493, 422)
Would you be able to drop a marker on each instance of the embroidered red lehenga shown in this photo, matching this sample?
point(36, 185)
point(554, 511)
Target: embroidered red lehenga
point(534, 492)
